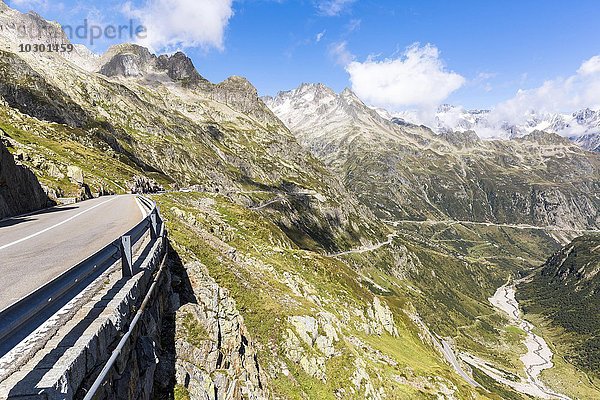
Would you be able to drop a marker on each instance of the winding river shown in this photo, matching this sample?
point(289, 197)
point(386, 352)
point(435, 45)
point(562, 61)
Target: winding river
point(538, 356)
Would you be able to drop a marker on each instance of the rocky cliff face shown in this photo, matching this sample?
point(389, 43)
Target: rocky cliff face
point(215, 355)
point(133, 61)
point(588, 141)
point(20, 191)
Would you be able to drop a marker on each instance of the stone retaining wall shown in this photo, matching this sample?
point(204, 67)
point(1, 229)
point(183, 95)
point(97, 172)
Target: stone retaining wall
point(74, 355)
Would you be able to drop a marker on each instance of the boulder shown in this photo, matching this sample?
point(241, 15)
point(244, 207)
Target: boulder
point(75, 174)
point(53, 171)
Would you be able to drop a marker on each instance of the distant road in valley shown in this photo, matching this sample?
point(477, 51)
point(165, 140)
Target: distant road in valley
point(514, 226)
point(451, 358)
point(38, 247)
point(366, 249)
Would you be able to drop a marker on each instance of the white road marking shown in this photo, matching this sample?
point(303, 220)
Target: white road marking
point(54, 226)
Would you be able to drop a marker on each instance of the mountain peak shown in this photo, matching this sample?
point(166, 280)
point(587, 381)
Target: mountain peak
point(349, 94)
point(127, 48)
point(132, 60)
point(581, 127)
point(305, 87)
point(319, 117)
point(582, 116)
point(127, 60)
point(180, 67)
point(38, 30)
point(312, 91)
point(239, 84)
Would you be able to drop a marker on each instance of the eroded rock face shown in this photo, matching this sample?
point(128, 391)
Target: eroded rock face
point(216, 358)
point(321, 333)
point(75, 174)
point(130, 60)
point(23, 88)
point(237, 92)
point(127, 60)
point(20, 191)
point(179, 67)
point(122, 65)
point(382, 318)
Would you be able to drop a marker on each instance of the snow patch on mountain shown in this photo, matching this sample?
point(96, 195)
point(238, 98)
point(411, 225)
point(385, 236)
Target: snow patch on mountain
point(581, 127)
point(311, 105)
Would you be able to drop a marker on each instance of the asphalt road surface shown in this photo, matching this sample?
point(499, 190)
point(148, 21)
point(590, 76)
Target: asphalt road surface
point(36, 248)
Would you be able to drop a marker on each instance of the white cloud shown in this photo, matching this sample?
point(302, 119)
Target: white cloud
point(174, 24)
point(483, 77)
point(332, 8)
point(339, 51)
point(95, 17)
point(569, 94)
point(589, 67)
point(417, 78)
point(353, 25)
point(319, 36)
point(482, 80)
point(31, 4)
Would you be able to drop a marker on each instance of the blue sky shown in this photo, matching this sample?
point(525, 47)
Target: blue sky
point(472, 53)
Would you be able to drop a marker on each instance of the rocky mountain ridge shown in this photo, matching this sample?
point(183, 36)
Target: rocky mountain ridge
point(129, 60)
point(152, 113)
point(410, 172)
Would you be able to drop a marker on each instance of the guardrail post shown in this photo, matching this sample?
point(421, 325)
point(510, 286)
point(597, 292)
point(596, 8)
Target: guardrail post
point(126, 256)
point(153, 226)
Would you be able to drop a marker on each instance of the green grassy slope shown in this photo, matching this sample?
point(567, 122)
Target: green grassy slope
point(565, 292)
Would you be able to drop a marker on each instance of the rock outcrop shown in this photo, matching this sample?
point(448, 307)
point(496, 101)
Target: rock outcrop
point(238, 93)
point(142, 184)
point(216, 358)
point(180, 68)
point(130, 60)
point(132, 63)
point(20, 191)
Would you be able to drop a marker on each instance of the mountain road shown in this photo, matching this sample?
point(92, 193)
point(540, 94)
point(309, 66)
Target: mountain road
point(38, 247)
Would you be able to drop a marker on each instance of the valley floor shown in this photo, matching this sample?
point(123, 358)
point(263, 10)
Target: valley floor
point(538, 356)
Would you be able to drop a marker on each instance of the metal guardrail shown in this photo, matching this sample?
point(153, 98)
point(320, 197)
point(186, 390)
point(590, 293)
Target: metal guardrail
point(101, 378)
point(14, 318)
